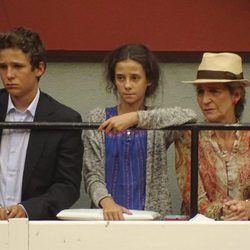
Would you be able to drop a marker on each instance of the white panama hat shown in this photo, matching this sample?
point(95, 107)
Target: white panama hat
point(220, 68)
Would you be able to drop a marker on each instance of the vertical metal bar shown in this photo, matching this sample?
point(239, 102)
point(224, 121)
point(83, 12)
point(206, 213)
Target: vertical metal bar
point(194, 171)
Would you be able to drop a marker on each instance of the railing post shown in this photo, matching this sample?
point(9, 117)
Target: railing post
point(194, 170)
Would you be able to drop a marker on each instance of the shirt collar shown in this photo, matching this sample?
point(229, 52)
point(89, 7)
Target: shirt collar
point(31, 108)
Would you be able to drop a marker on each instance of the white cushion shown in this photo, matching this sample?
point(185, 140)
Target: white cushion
point(97, 214)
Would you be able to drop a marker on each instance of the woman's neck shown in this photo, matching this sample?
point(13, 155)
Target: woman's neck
point(225, 139)
point(225, 134)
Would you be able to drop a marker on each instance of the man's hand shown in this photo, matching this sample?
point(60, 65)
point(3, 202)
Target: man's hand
point(4, 212)
point(14, 211)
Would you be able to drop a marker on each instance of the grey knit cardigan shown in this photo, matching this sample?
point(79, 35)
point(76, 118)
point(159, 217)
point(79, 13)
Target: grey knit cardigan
point(157, 184)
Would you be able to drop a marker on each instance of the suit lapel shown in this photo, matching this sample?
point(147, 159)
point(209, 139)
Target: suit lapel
point(3, 107)
point(37, 139)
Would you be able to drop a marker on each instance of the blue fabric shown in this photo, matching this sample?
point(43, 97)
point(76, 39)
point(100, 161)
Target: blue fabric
point(125, 170)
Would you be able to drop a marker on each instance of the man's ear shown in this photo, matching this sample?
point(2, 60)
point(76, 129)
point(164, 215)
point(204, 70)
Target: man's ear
point(40, 69)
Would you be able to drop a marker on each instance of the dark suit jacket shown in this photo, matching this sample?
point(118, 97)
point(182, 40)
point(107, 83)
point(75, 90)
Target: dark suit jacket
point(52, 171)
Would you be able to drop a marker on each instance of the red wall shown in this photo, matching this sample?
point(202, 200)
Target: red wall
point(163, 25)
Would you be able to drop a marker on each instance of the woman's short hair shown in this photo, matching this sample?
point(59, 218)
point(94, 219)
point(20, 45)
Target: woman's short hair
point(240, 105)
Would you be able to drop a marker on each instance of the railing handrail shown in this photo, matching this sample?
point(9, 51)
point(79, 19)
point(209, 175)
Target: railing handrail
point(94, 125)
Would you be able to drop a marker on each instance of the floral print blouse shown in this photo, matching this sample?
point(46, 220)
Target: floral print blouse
point(221, 176)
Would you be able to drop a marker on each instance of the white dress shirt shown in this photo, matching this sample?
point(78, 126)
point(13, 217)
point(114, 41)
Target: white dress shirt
point(13, 148)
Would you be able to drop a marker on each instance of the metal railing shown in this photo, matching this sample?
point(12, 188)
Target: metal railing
point(195, 128)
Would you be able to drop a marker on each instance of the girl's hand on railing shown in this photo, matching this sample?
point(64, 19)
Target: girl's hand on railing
point(119, 123)
point(112, 210)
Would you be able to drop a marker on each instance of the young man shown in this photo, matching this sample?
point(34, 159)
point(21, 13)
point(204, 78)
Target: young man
point(40, 170)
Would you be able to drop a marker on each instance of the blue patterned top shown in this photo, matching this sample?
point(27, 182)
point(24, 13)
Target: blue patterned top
point(125, 170)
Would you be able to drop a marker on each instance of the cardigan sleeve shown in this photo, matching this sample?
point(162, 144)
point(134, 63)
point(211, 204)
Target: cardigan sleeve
point(160, 118)
point(94, 159)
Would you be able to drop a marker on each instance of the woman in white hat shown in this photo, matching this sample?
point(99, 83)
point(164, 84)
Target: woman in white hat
point(224, 156)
